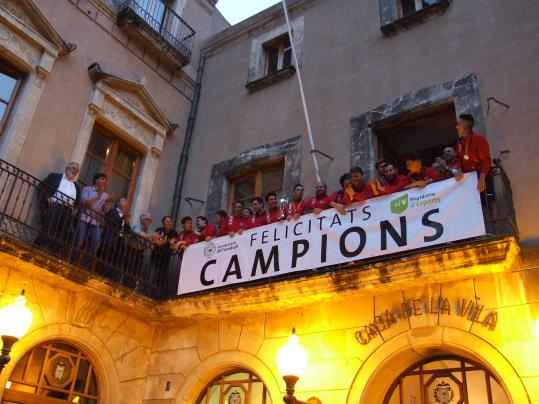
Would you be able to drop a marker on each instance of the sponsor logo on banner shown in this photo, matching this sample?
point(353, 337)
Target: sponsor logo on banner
point(439, 213)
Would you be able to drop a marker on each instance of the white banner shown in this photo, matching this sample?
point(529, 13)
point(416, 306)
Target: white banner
point(444, 211)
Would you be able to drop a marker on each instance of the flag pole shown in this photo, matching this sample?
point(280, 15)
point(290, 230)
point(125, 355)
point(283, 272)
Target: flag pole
point(306, 113)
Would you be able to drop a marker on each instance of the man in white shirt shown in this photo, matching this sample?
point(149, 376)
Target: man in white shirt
point(59, 198)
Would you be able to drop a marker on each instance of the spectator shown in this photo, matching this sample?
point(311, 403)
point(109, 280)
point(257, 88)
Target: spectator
point(162, 252)
point(234, 223)
point(113, 245)
point(294, 209)
point(96, 203)
point(206, 231)
point(247, 214)
point(379, 178)
point(186, 237)
point(274, 212)
point(138, 247)
point(473, 151)
point(357, 191)
point(259, 215)
point(59, 198)
point(345, 183)
point(394, 182)
point(448, 164)
point(322, 201)
point(419, 175)
point(220, 217)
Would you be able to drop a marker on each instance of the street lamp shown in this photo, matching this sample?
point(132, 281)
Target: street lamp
point(15, 320)
point(291, 362)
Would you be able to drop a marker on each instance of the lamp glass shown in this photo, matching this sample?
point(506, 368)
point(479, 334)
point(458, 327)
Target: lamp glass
point(537, 328)
point(16, 318)
point(292, 358)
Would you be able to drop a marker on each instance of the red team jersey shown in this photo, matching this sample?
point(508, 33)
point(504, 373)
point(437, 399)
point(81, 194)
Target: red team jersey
point(428, 173)
point(189, 237)
point(294, 208)
point(233, 224)
point(475, 147)
point(272, 216)
point(398, 185)
point(322, 203)
point(257, 220)
point(208, 231)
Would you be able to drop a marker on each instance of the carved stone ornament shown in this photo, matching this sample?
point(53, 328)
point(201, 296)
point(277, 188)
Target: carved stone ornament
point(59, 372)
point(443, 393)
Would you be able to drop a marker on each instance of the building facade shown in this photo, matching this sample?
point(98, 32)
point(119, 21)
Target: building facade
point(186, 114)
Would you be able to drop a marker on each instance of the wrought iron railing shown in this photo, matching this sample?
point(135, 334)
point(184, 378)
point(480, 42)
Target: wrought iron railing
point(41, 218)
point(158, 19)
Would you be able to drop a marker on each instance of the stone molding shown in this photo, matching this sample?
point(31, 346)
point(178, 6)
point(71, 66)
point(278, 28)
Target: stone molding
point(463, 92)
point(128, 109)
point(31, 44)
point(290, 149)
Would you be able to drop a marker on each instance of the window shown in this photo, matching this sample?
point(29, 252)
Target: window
point(266, 178)
point(399, 15)
point(278, 55)
point(10, 81)
point(53, 372)
point(449, 379)
point(235, 387)
point(116, 159)
point(425, 131)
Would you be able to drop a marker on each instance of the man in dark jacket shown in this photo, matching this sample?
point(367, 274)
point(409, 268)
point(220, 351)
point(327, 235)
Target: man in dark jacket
point(59, 199)
point(113, 245)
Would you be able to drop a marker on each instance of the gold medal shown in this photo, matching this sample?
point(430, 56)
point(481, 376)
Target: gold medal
point(466, 157)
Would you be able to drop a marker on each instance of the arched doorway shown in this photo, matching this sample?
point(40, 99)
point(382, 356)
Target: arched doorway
point(53, 372)
point(448, 379)
point(234, 387)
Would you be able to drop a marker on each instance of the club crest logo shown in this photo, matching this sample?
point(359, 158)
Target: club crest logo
point(210, 249)
point(443, 393)
point(234, 398)
point(400, 204)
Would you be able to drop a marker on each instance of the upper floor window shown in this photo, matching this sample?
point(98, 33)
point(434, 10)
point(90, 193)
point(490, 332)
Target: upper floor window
point(398, 15)
point(235, 387)
point(259, 182)
point(10, 81)
point(53, 372)
point(152, 11)
point(278, 54)
point(117, 160)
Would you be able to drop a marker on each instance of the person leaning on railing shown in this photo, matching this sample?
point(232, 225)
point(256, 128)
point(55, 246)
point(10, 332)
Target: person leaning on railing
point(142, 238)
point(96, 203)
point(59, 198)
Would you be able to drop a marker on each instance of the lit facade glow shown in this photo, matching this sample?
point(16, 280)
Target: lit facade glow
point(16, 318)
point(292, 358)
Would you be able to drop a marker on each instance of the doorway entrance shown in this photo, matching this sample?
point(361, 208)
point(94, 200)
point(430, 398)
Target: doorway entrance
point(446, 379)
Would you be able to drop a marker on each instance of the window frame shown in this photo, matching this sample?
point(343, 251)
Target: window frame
point(257, 171)
point(10, 71)
point(282, 43)
point(108, 164)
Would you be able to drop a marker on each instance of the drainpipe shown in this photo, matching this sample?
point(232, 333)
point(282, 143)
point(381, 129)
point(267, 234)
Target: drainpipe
point(182, 165)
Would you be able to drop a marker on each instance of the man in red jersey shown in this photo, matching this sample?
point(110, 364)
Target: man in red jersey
point(187, 236)
point(358, 191)
point(448, 165)
point(394, 182)
point(322, 201)
point(259, 215)
point(274, 212)
point(294, 209)
point(206, 231)
point(220, 217)
point(419, 175)
point(234, 223)
point(473, 151)
point(345, 181)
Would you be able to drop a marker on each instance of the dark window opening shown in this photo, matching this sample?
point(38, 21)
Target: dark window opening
point(10, 81)
point(425, 131)
point(278, 54)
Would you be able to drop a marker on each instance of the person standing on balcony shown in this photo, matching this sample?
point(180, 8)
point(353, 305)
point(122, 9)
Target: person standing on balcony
point(220, 217)
point(473, 151)
point(344, 180)
point(394, 182)
point(206, 231)
point(141, 238)
point(274, 212)
point(59, 197)
point(448, 165)
point(187, 236)
point(163, 251)
point(96, 203)
point(234, 223)
point(419, 175)
point(259, 215)
point(294, 209)
point(357, 191)
point(113, 248)
point(322, 201)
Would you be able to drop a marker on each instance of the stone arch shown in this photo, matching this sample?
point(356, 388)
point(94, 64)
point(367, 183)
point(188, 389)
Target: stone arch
point(93, 347)
point(393, 357)
point(219, 363)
